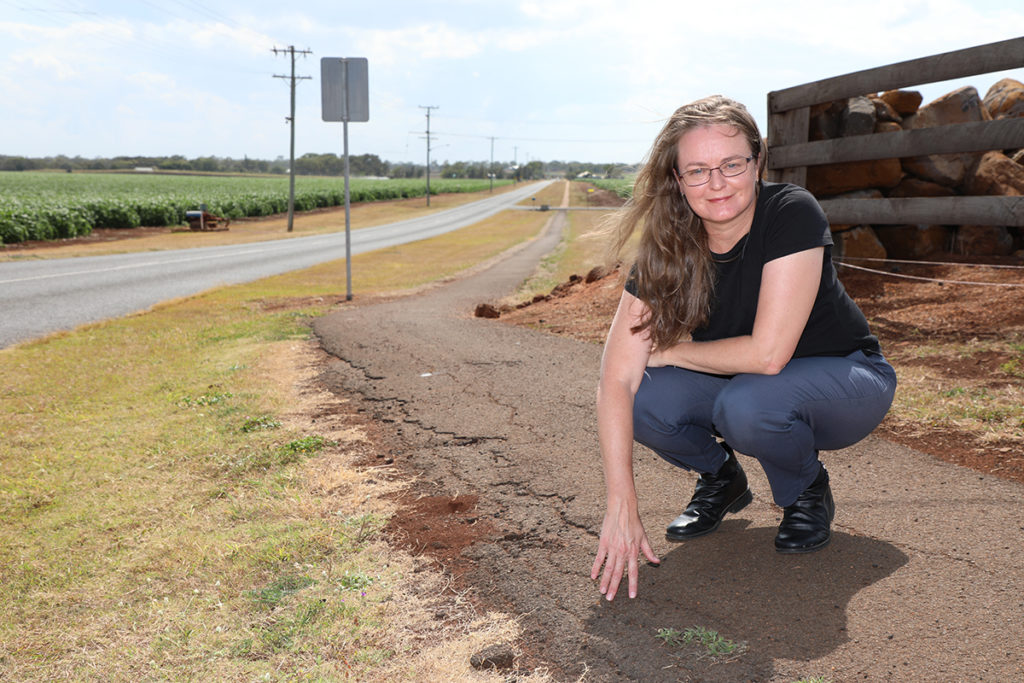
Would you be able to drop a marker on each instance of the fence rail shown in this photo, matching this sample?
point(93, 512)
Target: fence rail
point(791, 153)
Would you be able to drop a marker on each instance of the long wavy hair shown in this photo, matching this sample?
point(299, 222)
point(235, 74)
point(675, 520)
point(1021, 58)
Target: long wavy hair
point(674, 272)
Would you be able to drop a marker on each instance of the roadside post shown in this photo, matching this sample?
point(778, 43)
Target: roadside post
point(344, 96)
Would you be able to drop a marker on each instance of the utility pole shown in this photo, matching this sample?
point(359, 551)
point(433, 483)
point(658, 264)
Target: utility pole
point(291, 119)
point(490, 169)
point(428, 108)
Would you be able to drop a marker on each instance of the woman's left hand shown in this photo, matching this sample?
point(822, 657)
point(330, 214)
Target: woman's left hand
point(658, 359)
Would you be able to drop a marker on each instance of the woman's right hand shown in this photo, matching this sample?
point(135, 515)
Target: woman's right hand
point(622, 369)
point(622, 541)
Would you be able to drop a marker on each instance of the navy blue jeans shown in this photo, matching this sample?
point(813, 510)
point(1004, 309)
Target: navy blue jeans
point(783, 420)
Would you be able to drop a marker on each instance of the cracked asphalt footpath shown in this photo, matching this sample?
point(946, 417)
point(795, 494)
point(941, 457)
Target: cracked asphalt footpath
point(922, 581)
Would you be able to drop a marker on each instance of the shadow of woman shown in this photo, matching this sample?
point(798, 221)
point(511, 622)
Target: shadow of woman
point(733, 582)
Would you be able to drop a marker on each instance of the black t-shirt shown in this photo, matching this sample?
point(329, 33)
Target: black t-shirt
point(787, 220)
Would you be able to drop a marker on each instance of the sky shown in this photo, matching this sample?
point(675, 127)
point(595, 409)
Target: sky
point(513, 81)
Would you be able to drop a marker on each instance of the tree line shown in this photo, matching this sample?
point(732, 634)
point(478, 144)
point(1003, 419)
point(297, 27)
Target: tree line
point(362, 165)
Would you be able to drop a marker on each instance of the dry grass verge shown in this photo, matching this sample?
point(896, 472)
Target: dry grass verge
point(179, 501)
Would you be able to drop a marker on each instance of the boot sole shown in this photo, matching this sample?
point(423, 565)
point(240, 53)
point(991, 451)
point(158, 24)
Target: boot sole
point(743, 501)
point(807, 549)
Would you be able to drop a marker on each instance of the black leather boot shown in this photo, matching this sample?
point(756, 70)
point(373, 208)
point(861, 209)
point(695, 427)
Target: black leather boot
point(806, 524)
point(715, 494)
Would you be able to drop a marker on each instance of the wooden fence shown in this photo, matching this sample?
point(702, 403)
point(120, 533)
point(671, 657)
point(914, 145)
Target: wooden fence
point(790, 152)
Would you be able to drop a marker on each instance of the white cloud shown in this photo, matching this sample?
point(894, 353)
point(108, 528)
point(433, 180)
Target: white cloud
point(603, 70)
point(214, 37)
point(430, 41)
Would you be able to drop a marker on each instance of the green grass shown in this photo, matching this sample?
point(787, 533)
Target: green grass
point(621, 186)
point(253, 424)
point(990, 408)
point(706, 642)
point(158, 516)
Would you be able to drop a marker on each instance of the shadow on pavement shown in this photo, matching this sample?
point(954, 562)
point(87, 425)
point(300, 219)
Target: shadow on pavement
point(791, 607)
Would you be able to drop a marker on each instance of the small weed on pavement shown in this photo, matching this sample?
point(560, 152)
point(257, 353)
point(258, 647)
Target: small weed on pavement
point(708, 643)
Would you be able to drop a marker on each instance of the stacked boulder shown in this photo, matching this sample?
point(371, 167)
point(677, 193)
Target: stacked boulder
point(999, 172)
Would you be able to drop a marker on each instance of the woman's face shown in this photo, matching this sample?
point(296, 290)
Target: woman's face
point(723, 202)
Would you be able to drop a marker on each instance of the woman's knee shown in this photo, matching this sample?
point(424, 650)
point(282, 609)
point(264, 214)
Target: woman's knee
point(668, 401)
point(746, 418)
point(650, 416)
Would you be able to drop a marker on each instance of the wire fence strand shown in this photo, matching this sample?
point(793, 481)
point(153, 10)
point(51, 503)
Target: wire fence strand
point(929, 263)
point(928, 279)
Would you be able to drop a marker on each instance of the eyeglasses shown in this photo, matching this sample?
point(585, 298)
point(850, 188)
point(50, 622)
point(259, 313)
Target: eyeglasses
point(694, 177)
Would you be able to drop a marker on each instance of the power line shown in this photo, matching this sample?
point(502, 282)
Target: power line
point(658, 120)
point(518, 139)
point(291, 119)
point(209, 12)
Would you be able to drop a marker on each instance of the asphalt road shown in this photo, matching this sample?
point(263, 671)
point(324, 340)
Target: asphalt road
point(51, 295)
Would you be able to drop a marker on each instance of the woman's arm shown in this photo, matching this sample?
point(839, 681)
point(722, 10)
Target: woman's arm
point(789, 286)
point(622, 367)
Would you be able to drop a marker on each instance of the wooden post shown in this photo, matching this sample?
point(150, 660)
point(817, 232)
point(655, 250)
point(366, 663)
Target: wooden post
point(788, 128)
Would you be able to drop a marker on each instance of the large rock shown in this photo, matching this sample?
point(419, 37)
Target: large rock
point(913, 241)
point(960, 106)
point(915, 187)
point(904, 102)
point(983, 240)
point(824, 120)
point(499, 657)
point(844, 118)
point(885, 111)
point(996, 174)
point(858, 242)
point(832, 179)
point(857, 117)
point(1005, 99)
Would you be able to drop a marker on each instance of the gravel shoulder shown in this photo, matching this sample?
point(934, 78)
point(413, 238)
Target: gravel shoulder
point(495, 422)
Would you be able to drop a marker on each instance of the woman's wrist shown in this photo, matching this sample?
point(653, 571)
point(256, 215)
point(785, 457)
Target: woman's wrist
point(621, 499)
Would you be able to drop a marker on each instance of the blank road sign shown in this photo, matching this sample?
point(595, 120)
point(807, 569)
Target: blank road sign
point(344, 89)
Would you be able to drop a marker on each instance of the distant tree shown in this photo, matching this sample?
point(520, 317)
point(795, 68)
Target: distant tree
point(319, 164)
point(405, 170)
point(457, 170)
point(205, 164)
point(612, 171)
point(367, 165)
point(175, 163)
point(17, 164)
point(532, 171)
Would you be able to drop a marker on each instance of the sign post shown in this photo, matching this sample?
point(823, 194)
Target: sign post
point(344, 96)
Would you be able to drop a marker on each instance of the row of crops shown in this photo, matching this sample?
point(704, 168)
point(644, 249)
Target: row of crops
point(620, 186)
point(42, 206)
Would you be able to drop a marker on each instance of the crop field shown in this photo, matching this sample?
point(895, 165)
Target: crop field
point(41, 205)
point(620, 186)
